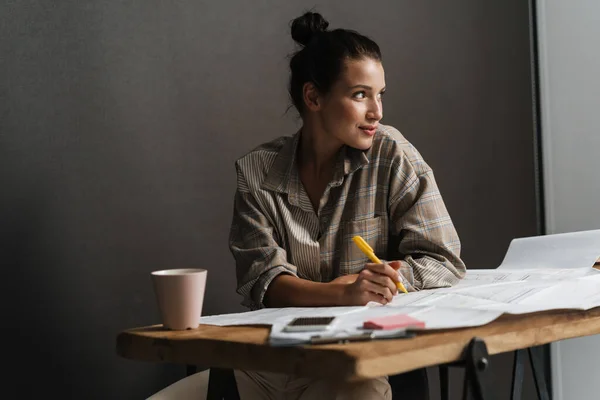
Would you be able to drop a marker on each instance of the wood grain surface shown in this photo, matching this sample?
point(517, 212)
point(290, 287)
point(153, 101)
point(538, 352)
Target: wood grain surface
point(246, 347)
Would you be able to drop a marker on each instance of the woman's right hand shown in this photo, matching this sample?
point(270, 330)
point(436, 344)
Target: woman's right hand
point(376, 282)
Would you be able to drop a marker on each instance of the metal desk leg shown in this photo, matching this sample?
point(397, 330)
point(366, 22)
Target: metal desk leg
point(518, 373)
point(466, 390)
point(477, 379)
point(477, 363)
point(444, 389)
point(537, 365)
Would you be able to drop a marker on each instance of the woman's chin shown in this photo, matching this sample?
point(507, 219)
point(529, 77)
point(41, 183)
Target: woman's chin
point(363, 144)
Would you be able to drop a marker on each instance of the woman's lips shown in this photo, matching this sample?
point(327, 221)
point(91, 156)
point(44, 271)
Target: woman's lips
point(369, 130)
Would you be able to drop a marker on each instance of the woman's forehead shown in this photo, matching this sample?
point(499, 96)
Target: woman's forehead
point(363, 72)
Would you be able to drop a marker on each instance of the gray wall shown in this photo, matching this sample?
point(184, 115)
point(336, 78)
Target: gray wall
point(120, 123)
point(569, 63)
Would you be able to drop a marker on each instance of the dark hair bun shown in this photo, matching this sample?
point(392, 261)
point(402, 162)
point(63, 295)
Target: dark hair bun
point(305, 27)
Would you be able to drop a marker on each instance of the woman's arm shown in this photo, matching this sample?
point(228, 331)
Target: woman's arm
point(427, 239)
point(253, 241)
point(377, 283)
point(291, 291)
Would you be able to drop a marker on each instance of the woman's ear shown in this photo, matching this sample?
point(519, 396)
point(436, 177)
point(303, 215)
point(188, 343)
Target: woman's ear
point(311, 97)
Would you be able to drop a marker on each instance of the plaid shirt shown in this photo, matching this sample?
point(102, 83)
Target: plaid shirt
point(387, 195)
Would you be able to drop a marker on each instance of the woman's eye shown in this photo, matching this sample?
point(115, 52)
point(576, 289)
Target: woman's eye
point(359, 95)
point(381, 94)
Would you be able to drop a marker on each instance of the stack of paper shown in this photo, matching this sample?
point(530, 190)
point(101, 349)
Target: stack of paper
point(537, 274)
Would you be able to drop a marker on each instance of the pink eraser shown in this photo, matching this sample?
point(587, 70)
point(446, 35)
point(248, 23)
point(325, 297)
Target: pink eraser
point(393, 322)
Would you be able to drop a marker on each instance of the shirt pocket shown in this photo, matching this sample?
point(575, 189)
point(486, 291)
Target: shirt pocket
point(373, 231)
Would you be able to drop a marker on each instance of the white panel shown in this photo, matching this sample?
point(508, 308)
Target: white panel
point(569, 44)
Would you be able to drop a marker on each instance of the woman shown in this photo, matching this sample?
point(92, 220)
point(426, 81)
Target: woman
point(301, 199)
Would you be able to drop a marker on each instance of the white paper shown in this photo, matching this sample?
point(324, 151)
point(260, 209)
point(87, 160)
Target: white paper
point(498, 297)
point(537, 274)
point(561, 250)
point(446, 300)
point(269, 316)
point(515, 297)
point(446, 318)
point(487, 276)
point(574, 294)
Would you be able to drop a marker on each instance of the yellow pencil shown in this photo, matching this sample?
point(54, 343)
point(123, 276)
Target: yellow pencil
point(365, 248)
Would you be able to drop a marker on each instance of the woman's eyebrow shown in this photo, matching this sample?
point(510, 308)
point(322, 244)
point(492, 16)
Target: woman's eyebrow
point(360, 87)
point(366, 87)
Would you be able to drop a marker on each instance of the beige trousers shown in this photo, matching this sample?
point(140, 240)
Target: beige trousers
point(254, 385)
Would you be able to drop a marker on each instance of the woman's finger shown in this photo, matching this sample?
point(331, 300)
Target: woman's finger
point(384, 269)
point(380, 279)
point(395, 265)
point(378, 289)
point(377, 298)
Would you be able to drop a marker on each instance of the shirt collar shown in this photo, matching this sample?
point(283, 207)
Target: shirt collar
point(283, 175)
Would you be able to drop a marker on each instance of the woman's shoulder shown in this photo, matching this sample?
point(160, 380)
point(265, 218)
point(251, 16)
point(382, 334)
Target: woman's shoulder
point(393, 145)
point(389, 141)
point(258, 161)
point(389, 133)
point(267, 148)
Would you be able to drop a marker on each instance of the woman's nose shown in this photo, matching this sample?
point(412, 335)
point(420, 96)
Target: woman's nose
point(375, 111)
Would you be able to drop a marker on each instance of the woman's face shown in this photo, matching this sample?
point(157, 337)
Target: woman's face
point(351, 111)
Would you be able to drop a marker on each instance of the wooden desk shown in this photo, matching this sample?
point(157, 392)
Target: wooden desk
point(246, 348)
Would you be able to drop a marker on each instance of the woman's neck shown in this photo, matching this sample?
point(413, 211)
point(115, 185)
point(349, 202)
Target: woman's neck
point(317, 151)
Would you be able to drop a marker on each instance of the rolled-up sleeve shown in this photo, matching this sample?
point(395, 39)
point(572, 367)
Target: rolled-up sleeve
point(253, 243)
point(428, 241)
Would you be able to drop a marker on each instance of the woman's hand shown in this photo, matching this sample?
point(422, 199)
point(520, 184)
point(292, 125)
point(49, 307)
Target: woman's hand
point(376, 282)
point(346, 279)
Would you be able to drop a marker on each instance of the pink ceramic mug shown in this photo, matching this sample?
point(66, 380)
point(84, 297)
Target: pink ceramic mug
point(180, 295)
